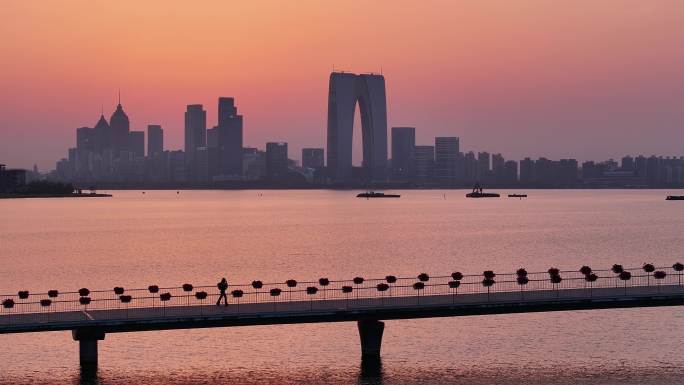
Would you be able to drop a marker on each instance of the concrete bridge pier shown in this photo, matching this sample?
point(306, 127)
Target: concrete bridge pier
point(370, 332)
point(87, 345)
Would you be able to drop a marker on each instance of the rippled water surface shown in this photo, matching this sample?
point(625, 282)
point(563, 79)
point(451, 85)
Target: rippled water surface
point(165, 238)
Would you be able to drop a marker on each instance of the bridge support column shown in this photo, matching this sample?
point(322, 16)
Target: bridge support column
point(370, 332)
point(87, 345)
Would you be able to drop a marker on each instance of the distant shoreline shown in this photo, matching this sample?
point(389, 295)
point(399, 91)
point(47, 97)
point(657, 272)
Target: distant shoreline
point(15, 196)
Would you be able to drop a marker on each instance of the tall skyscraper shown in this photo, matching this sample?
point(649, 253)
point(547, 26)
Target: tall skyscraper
point(424, 158)
point(446, 159)
point(276, 160)
point(345, 90)
point(313, 157)
point(195, 136)
point(155, 140)
point(119, 128)
point(229, 138)
point(403, 153)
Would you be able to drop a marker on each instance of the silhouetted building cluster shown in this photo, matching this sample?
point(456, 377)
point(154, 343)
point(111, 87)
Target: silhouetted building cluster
point(111, 152)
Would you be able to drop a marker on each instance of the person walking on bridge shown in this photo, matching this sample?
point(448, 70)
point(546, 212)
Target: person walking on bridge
point(222, 286)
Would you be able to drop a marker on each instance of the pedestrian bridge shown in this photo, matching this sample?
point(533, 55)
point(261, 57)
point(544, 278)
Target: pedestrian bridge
point(91, 314)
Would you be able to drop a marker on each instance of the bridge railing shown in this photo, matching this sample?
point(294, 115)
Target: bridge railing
point(395, 291)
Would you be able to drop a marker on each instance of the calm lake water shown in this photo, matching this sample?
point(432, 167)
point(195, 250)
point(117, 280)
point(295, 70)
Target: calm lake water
point(165, 238)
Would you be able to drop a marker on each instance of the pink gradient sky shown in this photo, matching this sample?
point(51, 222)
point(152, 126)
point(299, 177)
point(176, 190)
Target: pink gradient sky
point(583, 78)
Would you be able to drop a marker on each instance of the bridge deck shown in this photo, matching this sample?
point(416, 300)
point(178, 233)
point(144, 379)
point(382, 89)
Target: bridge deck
point(420, 305)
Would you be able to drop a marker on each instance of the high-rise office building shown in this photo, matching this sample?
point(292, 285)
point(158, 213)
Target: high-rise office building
point(136, 143)
point(498, 168)
point(276, 160)
point(446, 159)
point(511, 172)
point(470, 167)
point(424, 158)
point(345, 91)
point(155, 140)
point(526, 171)
point(195, 136)
point(313, 157)
point(483, 162)
point(403, 153)
point(229, 138)
point(119, 127)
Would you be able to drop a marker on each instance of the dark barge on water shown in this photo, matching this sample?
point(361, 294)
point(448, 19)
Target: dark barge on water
point(478, 193)
point(373, 194)
point(675, 198)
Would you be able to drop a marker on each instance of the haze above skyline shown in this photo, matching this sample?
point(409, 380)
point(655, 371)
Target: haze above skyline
point(525, 78)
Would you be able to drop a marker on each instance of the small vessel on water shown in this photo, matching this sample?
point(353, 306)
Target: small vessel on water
point(373, 194)
point(675, 198)
point(478, 193)
point(517, 196)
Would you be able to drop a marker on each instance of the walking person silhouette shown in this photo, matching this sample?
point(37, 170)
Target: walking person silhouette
point(222, 286)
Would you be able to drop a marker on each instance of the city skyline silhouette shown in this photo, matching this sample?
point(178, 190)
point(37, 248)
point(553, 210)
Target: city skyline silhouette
point(531, 79)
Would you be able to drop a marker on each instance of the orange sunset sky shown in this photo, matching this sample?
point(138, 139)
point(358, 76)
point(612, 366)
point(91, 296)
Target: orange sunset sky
point(589, 79)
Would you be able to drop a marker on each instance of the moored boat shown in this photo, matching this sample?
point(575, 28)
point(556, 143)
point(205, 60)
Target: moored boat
point(478, 193)
point(675, 198)
point(373, 194)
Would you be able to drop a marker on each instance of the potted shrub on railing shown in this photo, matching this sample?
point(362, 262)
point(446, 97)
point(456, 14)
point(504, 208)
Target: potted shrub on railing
point(624, 277)
point(237, 294)
point(23, 294)
point(358, 280)
point(418, 287)
point(488, 274)
point(521, 272)
point(46, 303)
point(555, 278)
point(118, 290)
point(522, 281)
point(382, 288)
point(617, 269)
point(659, 275)
point(83, 292)
point(126, 299)
point(164, 297)
point(187, 288)
point(453, 286)
point(457, 276)
point(311, 291)
point(586, 270)
point(648, 268)
point(85, 301)
point(53, 293)
point(290, 283)
point(391, 279)
point(591, 278)
point(153, 289)
point(274, 293)
point(678, 267)
point(324, 282)
point(346, 290)
point(423, 277)
point(257, 284)
point(8, 304)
